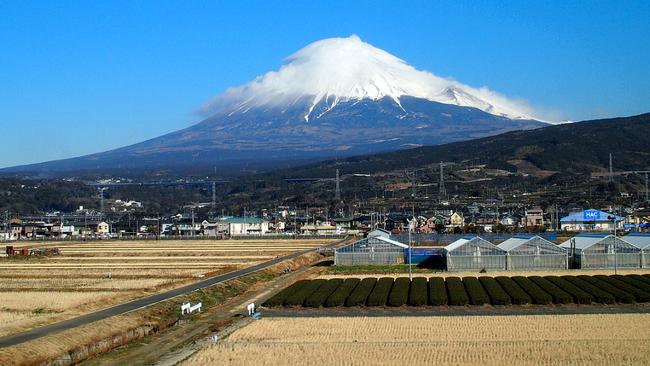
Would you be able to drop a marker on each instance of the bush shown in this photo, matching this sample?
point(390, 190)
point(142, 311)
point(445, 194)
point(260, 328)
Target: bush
point(317, 299)
point(477, 295)
point(620, 296)
point(641, 285)
point(437, 291)
point(517, 295)
point(338, 297)
point(599, 295)
point(360, 294)
point(559, 296)
point(379, 294)
point(298, 298)
point(538, 295)
point(456, 292)
point(579, 296)
point(498, 296)
point(399, 294)
point(280, 297)
point(639, 295)
point(418, 292)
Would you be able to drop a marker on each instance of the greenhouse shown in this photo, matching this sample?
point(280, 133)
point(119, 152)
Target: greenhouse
point(602, 251)
point(533, 252)
point(373, 250)
point(474, 253)
point(642, 241)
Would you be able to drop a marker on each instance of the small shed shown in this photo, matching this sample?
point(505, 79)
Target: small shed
point(602, 251)
point(642, 241)
point(474, 253)
point(373, 250)
point(533, 252)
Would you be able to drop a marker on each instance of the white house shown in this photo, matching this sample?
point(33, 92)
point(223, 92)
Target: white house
point(246, 225)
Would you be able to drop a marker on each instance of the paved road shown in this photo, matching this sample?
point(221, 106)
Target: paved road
point(136, 304)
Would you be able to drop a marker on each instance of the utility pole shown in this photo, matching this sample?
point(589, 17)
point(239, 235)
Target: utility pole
point(613, 218)
point(101, 200)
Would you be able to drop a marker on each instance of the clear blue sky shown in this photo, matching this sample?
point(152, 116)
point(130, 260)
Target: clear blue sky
point(78, 77)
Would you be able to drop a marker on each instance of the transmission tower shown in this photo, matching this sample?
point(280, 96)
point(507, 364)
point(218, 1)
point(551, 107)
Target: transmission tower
point(101, 200)
point(214, 197)
point(337, 195)
point(411, 175)
point(443, 190)
point(611, 169)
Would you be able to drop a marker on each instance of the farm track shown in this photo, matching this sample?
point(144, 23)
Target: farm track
point(137, 304)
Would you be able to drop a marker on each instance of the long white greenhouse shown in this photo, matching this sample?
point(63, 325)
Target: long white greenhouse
point(474, 253)
point(642, 241)
point(533, 252)
point(376, 249)
point(602, 251)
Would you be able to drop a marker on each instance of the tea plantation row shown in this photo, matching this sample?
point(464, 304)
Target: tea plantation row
point(436, 291)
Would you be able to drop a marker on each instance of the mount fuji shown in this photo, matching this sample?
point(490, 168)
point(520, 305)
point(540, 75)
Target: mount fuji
point(335, 97)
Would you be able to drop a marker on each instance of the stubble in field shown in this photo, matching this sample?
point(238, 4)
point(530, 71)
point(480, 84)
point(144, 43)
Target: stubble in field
point(466, 340)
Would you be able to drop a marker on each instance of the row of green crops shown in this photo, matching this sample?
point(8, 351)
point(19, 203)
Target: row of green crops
point(456, 291)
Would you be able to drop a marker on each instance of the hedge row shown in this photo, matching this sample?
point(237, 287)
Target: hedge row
point(280, 297)
point(418, 292)
point(477, 295)
point(620, 296)
point(399, 294)
point(359, 296)
point(579, 296)
point(437, 291)
point(538, 295)
point(379, 294)
point(643, 279)
point(498, 296)
point(639, 295)
point(298, 297)
point(599, 295)
point(517, 295)
point(456, 292)
point(318, 298)
point(338, 297)
point(641, 285)
point(559, 296)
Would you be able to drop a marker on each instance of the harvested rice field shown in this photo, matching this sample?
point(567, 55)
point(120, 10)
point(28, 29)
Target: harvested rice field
point(613, 339)
point(87, 276)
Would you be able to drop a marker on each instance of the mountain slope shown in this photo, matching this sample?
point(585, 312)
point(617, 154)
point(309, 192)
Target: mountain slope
point(581, 147)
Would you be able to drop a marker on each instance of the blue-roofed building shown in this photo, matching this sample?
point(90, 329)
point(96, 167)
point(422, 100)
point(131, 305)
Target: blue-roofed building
point(590, 220)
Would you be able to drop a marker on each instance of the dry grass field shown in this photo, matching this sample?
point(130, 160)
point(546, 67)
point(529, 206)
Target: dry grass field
point(615, 339)
point(92, 275)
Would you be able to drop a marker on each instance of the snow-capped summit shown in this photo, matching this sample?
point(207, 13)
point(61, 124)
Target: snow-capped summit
point(343, 69)
point(334, 98)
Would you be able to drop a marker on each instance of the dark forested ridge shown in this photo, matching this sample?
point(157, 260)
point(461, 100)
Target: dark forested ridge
point(581, 147)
